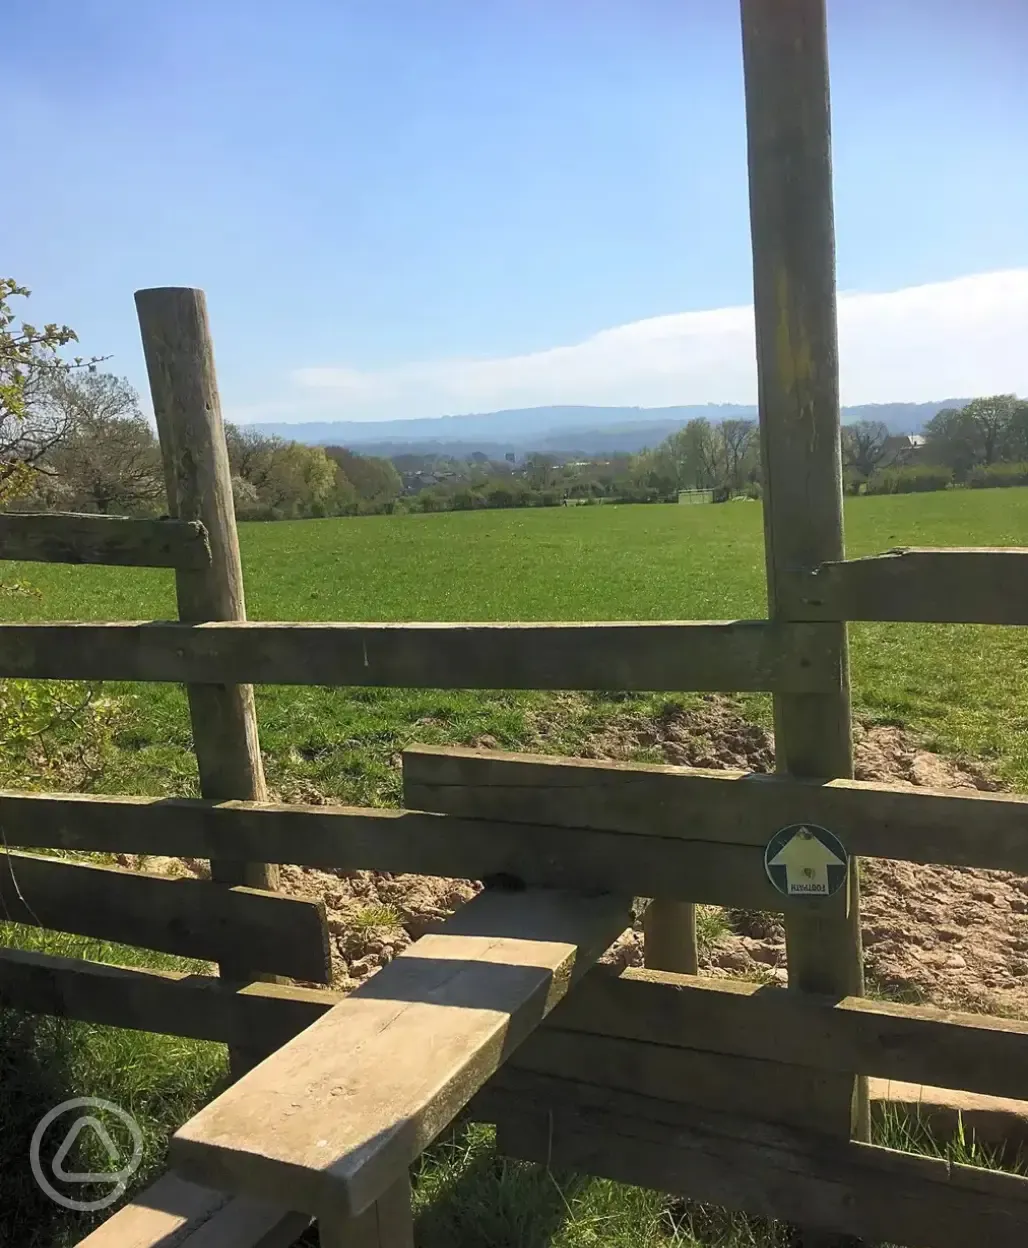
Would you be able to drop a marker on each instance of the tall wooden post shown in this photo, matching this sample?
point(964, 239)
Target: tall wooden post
point(180, 364)
point(790, 175)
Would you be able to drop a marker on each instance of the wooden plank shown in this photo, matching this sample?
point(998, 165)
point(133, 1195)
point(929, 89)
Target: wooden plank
point(175, 1003)
point(410, 841)
point(785, 63)
point(905, 1043)
point(192, 918)
point(187, 407)
point(172, 1213)
point(64, 537)
point(329, 1122)
point(745, 1086)
point(898, 821)
point(972, 585)
point(667, 656)
point(805, 1178)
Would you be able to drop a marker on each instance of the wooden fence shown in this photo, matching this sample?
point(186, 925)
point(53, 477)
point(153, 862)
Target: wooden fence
point(750, 1097)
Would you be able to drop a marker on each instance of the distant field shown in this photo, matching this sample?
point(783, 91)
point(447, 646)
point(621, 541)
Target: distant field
point(966, 687)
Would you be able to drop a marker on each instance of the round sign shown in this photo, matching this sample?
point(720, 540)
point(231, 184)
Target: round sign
point(804, 860)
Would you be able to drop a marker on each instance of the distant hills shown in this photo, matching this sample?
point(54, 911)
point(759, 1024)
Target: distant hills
point(590, 430)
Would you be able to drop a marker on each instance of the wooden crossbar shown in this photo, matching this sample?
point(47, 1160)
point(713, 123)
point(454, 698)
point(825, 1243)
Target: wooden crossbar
point(406, 841)
point(873, 820)
point(192, 918)
point(329, 1123)
point(799, 1177)
point(913, 1044)
point(732, 655)
point(973, 585)
point(56, 537)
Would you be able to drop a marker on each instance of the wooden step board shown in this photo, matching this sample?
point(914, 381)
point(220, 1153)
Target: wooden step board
point(329, 1123)
point(172, 1213)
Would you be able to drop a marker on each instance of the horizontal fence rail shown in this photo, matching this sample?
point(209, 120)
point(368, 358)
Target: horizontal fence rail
point(173, 1003)
point(731, 655)
point(736, 1028)
point(191, 918)
point(799, 1177)
point(65, 537)
point(973, 585)
point(873, 820)
point(404, 841)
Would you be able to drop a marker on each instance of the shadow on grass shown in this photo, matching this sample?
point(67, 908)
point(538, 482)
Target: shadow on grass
point(35, 1076)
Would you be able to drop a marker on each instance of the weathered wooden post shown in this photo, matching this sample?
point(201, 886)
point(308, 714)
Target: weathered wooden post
point(669, 937)
point(790, 176)
point(180, 365)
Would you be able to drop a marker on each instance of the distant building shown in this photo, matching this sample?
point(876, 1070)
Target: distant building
point(902, 448)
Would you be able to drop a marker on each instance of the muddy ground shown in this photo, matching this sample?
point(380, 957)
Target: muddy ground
point(955, 936)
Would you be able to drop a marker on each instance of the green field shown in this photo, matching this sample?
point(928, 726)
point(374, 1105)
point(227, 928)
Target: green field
point(964, 689)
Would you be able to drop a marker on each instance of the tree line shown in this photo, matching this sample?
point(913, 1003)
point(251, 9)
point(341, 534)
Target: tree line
point(75, 438)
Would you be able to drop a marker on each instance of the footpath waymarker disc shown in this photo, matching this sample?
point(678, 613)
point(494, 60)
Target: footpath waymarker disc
point(804, 860)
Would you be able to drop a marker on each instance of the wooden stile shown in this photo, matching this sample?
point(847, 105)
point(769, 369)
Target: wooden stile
point(180, 366)
point(64, 537)
point(331, 1121)
point(785, 62)
point(736, 655)
point(192, 918)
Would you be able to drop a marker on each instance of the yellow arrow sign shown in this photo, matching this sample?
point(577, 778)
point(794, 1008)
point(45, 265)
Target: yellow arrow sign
point(806, 861)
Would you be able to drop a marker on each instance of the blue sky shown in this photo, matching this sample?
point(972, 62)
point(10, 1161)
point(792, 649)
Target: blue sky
point(411, 207)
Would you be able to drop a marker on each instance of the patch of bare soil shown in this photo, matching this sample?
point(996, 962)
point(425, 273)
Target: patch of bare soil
point(956, 936)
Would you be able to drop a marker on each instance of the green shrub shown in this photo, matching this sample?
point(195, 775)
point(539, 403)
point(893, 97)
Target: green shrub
point(992, 475)
point(912, 479)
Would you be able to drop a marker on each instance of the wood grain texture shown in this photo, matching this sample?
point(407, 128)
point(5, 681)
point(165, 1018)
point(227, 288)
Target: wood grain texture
point(174, 1003)
point(974, 585)
point(193, 918)
point(405, 841)
point(388, 1223)
point(903, 1043)
point(332, 1120)
point(172, 1213)
point(669, 936)
point(667, 656)
point(179, 355)
point(65, 537)
point(785, 64)
point(898, 821)
point(805, 1178)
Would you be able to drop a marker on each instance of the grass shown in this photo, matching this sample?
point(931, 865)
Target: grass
point(963, 688)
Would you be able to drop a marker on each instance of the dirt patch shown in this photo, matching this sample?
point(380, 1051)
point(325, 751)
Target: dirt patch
point(956, 936)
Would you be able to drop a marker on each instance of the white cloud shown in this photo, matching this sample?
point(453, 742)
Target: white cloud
point(960, 337)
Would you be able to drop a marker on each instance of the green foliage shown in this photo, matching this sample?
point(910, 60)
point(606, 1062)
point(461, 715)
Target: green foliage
point(29, 363)
point(988, 430)
point(911, 479)
point(993, 475)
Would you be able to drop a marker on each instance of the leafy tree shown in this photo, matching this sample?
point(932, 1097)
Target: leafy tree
point(376, 480)
point(29, 363)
